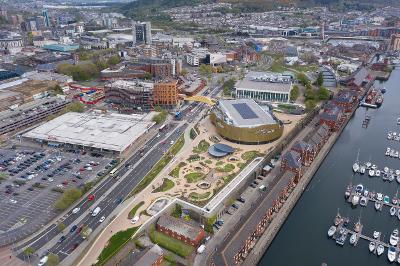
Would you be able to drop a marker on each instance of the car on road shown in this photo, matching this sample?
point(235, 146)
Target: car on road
point(13, 201)
point(172, 142)
point(73, 228)
point(216, 226)
point(102, 219)
point(91, 197)
point(62, 238)
point(30, 189)
point(43, 261)
point(118, 201)
point(253, 185)
point(79, 229)
point(220, 222)
point(235, 206)
point(135, 219)
point(76, 210)
point(74, 246)
point(241, 199)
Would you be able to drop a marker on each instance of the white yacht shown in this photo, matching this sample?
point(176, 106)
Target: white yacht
point(362, 169)
point(368, 165)
point(353, 239)
point(393, 211)
point(389, 136)
point(394, 237)
point(356, 167)
point(355, 200)
point(377, 173)
point(388, 150)
point(363, 201)
point(397, 172)
point(376, 234)
point(386, 169)
point(331, 231)
point(371, 246)
point(396, 154)
point(379, 196)
point(378, 205)
point(398, 120)
point(374, 167)
point(380, 249)
point(371, 172)
point(359, 189)
point(391, 254)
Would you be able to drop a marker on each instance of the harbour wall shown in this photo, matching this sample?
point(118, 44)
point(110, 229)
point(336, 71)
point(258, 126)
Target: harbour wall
point(272, 230)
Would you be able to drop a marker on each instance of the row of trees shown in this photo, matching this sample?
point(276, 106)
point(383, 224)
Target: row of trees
point(87, 70)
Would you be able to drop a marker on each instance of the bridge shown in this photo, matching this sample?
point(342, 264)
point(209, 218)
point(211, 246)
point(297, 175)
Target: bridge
point(202, 99)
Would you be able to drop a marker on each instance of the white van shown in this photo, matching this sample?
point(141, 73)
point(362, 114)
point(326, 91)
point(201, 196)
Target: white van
point(201, 249)
point(43, 261)
point(96, 211)
point(262, 188)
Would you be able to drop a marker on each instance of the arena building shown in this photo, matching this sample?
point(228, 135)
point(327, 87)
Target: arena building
point(244, 121)
point(94, 131)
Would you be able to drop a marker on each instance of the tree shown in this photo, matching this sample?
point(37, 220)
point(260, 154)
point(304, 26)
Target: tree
point(323, 94)
point(177, 212)
point(67, 198)
point(320, 79)
point(29, 251)
point(77, 107)
point(61, 226)
point(228, 86)
point(294, 93)
point(113, 60)
point(302, 78)
point(147, 76)
point(52, 259)
point(184, 72)
point(206, 71)
point(57, 90)
point(310, 105)
point(161, 116)
point(309, 94)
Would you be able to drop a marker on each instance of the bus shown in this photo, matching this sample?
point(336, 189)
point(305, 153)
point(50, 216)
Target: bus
point(113, 173)
point(163, 127)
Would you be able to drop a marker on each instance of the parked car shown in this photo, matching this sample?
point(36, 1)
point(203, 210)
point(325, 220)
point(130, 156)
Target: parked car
point(73, 228)
point(62, 238)
point(135, 219)
point(102, 219)
point(241, 199)
point(76, 210)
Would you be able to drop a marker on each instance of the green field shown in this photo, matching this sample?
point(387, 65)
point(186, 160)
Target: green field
point(169, 243)
point(201, 147)
point(194, 177)
point(116, 242)
point(165, 186)
point(226, 168)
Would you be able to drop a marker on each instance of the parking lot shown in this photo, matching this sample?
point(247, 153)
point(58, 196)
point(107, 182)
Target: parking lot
point(32, 181)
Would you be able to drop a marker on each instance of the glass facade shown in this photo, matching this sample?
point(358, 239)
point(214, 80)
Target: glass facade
point(263, 95)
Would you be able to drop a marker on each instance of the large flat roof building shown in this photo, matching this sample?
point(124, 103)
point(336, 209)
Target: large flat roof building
point(261, 86)
point(106, 132)
point(244, 121)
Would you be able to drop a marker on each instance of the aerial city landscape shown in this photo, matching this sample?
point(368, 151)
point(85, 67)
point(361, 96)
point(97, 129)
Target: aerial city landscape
point(202, 132)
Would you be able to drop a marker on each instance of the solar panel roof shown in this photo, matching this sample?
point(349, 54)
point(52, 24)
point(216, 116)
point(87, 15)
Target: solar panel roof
point(244, 110)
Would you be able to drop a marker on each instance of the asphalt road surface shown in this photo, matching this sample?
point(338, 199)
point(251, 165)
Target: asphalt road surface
point(154, 150)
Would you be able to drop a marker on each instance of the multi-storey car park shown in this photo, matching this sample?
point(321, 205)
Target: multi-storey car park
point(29, 114)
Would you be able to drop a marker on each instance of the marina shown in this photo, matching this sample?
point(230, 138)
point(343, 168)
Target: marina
point(324, 195)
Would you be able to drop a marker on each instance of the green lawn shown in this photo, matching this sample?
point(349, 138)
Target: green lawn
point(198, 197)
point(116, 242)
point(201, 147)
point(159, 165)
point(226, 168)
point(250, 155)
point(219, 163)
point(175, 171)
point(165, 186)
point(169, 243)
point(134, 209)
point(194, 177)
point(287, 106)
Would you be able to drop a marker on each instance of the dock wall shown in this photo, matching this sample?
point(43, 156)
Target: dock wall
point(272, 230)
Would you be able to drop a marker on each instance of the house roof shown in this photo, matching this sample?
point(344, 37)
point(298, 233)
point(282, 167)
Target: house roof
point(179, 226)
point(331, 114)
point(150, 256)
point(293, 159)
point(301, 145)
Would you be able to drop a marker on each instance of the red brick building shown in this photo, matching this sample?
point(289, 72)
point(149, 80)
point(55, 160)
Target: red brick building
point(346, 99)
point(333, 117)
point(180, 230)
point(307, 152)
point(291, 161)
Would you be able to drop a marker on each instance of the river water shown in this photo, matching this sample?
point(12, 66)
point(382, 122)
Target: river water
point(303, 239)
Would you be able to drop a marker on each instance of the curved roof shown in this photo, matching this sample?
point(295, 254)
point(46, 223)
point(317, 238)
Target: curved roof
point(224, 148)
point(220, 150)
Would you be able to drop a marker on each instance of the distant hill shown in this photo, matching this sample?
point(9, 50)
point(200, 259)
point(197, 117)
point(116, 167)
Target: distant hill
point(143, 8)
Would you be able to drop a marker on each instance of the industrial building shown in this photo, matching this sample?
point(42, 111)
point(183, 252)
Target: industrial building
point(260, 86)
point(244, 121)
point(94, 131)
point(141, 32)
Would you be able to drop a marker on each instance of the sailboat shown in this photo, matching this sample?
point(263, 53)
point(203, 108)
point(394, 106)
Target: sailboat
point(356, 165)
